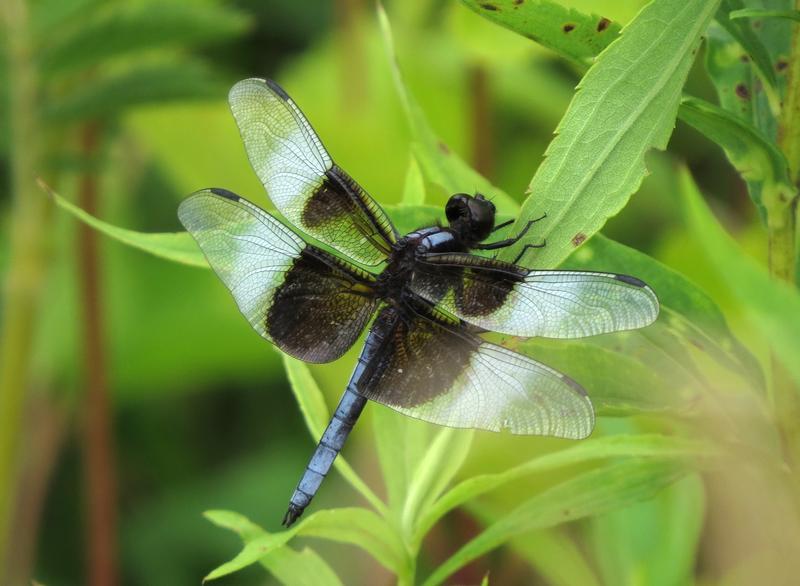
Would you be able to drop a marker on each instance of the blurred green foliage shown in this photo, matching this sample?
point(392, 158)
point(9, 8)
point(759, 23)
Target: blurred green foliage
point(691, 473)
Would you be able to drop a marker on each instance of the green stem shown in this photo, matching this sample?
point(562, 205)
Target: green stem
point(26, 263)
point(98, 436)
point(782, 218)
point(407, 573)
point(781, 229)
point(782, 245)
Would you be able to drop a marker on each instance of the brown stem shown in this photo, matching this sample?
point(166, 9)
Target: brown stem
point(98, 444)
point(482, 157)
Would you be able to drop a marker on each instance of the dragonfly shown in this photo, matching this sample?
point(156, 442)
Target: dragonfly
point(312, 283)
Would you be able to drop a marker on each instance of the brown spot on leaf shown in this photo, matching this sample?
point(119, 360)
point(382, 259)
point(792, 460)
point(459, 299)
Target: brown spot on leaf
point(744, 59)
point(487, 6)
point(756, 24)
point(781, 65)
point(603, 24)
point(443, 147)
point(578, 239)
point(568, 28)
point(742, 91)
point(518, 2)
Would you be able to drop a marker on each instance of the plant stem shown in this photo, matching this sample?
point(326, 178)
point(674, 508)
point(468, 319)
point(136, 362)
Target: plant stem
point(782, 220)
point(781, 225)
point(41, 454)
point(482, 147)
point(98, 442)
point(782, 246)
point(23, 280)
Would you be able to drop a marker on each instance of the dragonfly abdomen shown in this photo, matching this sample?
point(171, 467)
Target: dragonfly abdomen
point(331, 443)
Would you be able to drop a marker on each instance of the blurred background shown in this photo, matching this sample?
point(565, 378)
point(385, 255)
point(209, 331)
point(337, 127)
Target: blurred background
point(148, 398)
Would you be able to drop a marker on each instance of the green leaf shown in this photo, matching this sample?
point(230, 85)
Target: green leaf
point(625, 105)
point(555, 556)
point(634, 446)
point(434, 472)
point(590, 493)
point(108, 95)
point(304, 568)
point(731, 72)
point(390, 431)
point(685, 308)
point(572, 34)
point(757, 294)
point(657, 539)
point(109, 31)
point(414, 187)
point(300, 568)
point(760, 13)
point(348, 525)
point(441, 165)
point(317, 415)
point(178, 247)
point(751, 42)
point(757, 159)
point(735, 76)
point(620, 380)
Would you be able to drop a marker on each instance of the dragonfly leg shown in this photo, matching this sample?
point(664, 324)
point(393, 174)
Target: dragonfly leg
point(525, 249)
point(509, 241)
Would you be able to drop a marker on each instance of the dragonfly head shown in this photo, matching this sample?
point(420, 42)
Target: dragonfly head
point(472, 217)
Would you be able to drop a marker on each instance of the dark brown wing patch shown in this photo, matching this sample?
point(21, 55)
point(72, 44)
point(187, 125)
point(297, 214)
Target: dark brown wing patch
point(480, 285)
point(418, 361)
point(339, 211)
point(320, 309)
point(482, 292)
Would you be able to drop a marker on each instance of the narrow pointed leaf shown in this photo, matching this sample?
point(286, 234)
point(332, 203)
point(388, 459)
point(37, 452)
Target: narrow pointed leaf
point(760, 13)
point(355, 526)
point(752, 43)
point(300, 568)
point(590, 493)
point(414, 188)
point(290, 567)
point(757, 159)
point(441, 164)
point(109, 94)
point(105, 32)
point(432, 474)
point(625, 106)
point(178, 246)
point(757, 294)
point(639, 446)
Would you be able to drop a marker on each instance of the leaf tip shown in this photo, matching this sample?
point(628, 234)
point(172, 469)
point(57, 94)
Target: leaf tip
point(45, 187)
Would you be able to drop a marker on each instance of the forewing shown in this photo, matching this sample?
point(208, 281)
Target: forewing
point(443, 374)
point(315, 195)
point(308, 303)
point(509, 299)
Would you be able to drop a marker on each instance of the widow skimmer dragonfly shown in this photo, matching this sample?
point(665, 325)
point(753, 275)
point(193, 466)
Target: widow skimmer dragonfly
point(424, 355)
